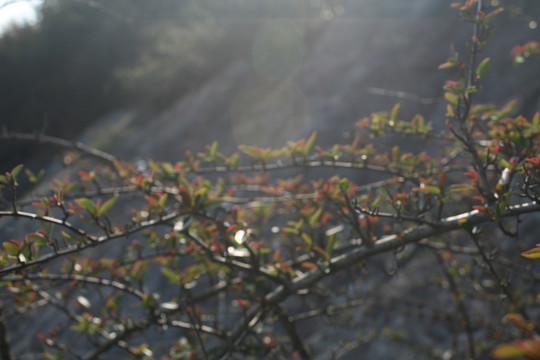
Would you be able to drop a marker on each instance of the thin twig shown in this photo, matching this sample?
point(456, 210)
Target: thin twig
point(344, 261)
point(290, 328)
point(72, 249)
point(459, 303)
point(78, 278)
point(500, 282)
point(58, 142)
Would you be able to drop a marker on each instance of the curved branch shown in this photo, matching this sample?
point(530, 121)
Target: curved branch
point(94, 240)
point(48, 219)
point(80, 278)
point(279, 165)
point(344, 261)
point(112, 339)
point(38, 138)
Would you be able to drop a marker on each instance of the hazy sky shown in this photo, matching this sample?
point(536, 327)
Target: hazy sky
point(17, 11)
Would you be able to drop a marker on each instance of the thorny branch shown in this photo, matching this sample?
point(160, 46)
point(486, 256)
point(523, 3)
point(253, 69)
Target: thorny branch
point(268, 277)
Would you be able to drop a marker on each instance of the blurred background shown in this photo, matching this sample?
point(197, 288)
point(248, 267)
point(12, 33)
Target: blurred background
point(146, 78)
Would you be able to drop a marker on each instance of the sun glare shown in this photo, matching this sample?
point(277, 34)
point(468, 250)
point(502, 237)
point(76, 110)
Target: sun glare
point(17, 12)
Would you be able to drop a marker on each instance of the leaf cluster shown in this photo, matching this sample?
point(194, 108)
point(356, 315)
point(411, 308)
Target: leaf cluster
point(219, 256)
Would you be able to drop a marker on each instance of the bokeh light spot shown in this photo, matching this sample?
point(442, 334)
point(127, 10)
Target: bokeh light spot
point(327, 13)
point(278, 49)
point(268, 113)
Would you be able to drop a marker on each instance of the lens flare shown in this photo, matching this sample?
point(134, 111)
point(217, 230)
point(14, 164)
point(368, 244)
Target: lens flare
point(278, 49)
point(268, 113)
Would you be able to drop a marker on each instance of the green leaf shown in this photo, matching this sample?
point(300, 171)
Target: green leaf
point(172, 275)
point(428, 190)
point(459, 188)
point(233, 160)
point(309, 143)
point(451, 98)
point(313, 219)
point(447, 65)
point(33, 178)
point(330, 245)
point(536, 120)
point(467, 226)
point(507, 108)
point(482, 67)
point(37, 238)
point(393, 114)
point(449, 111)
point(213, 149)
point(250, 151)
point(375, 202)
point(344, 184)
point(66, 235)
point(168, 167)
point(493, 14)
point(56, 356)
point(16, 170)
point(322, 252)
point(88, 205)
point(307, 239)
point(290, 230)
point(12, 248)
point(211, 202)
point(335, 151)
point(291, 144)
point(502, 202)
point(503, 163)
point(107, 205)
point(162, 201)
point(396, 153)
point(532, 253)
point(83, 324)
point(508, 351)
point(146, 300)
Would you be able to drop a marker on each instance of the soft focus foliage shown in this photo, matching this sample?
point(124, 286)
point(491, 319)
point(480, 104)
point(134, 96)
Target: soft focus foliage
point(219, 255)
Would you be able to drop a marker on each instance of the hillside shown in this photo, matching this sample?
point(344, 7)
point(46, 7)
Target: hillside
point(262, 77)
